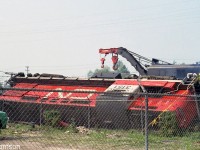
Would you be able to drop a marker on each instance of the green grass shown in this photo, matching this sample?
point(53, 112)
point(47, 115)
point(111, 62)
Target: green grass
point(101, 138)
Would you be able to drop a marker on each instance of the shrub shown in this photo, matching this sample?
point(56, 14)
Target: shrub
point(52, 118)
point(169, 125)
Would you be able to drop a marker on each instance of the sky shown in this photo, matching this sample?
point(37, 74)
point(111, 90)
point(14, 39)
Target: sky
point(64, 36)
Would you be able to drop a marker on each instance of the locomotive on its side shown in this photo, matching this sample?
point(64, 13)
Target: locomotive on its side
point(109, 103)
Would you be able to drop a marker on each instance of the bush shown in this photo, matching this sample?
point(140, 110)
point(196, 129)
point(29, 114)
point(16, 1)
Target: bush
point(169, 125)
point(52, 118)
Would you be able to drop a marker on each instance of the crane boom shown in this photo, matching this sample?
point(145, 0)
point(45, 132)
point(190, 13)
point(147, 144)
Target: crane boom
point(133, 58)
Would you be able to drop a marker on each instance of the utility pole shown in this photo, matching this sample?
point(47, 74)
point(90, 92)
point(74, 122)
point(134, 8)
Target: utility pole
point(27, 69)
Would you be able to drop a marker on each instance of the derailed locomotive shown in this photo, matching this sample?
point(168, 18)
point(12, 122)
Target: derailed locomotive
point(109, 103)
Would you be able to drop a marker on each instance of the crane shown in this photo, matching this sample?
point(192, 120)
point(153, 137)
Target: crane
point(149, 67)
point(139, 62)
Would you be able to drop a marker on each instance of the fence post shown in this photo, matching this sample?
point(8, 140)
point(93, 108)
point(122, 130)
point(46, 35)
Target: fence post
point(2, 108)
point(146, 116)
point(40, 113)
point(146, 121)
point(88, 117)
point(89, 114)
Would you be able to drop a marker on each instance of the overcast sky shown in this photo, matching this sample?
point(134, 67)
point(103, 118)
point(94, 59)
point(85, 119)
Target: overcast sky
point(63, 36)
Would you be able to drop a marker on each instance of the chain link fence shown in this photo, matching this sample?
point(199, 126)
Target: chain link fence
point(58, 119)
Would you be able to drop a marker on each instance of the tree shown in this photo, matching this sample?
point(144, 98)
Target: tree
point(174, 62)
point(1, 88)
point(121, 69)
point(106, 69)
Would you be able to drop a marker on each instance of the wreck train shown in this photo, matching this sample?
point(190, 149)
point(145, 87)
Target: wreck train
point(109, 103)
point(104, 102)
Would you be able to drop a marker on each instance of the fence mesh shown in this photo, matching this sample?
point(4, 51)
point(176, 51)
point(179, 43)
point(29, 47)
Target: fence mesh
point(91, 120)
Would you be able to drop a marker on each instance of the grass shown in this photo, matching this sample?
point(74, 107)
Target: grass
point(100, 138)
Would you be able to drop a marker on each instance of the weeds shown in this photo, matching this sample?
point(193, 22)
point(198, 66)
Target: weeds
point(100, 138)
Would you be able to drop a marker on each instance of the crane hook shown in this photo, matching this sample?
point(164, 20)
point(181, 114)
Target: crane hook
point(115, 67)
point(115, 60)
point(102, 62)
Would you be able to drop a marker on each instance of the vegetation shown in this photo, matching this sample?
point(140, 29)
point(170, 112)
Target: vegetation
point(121, 69)
point(99, 138)
point(169, 125)
point(52, 118)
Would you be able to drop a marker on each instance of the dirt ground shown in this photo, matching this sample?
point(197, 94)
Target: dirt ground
point(30, 145)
